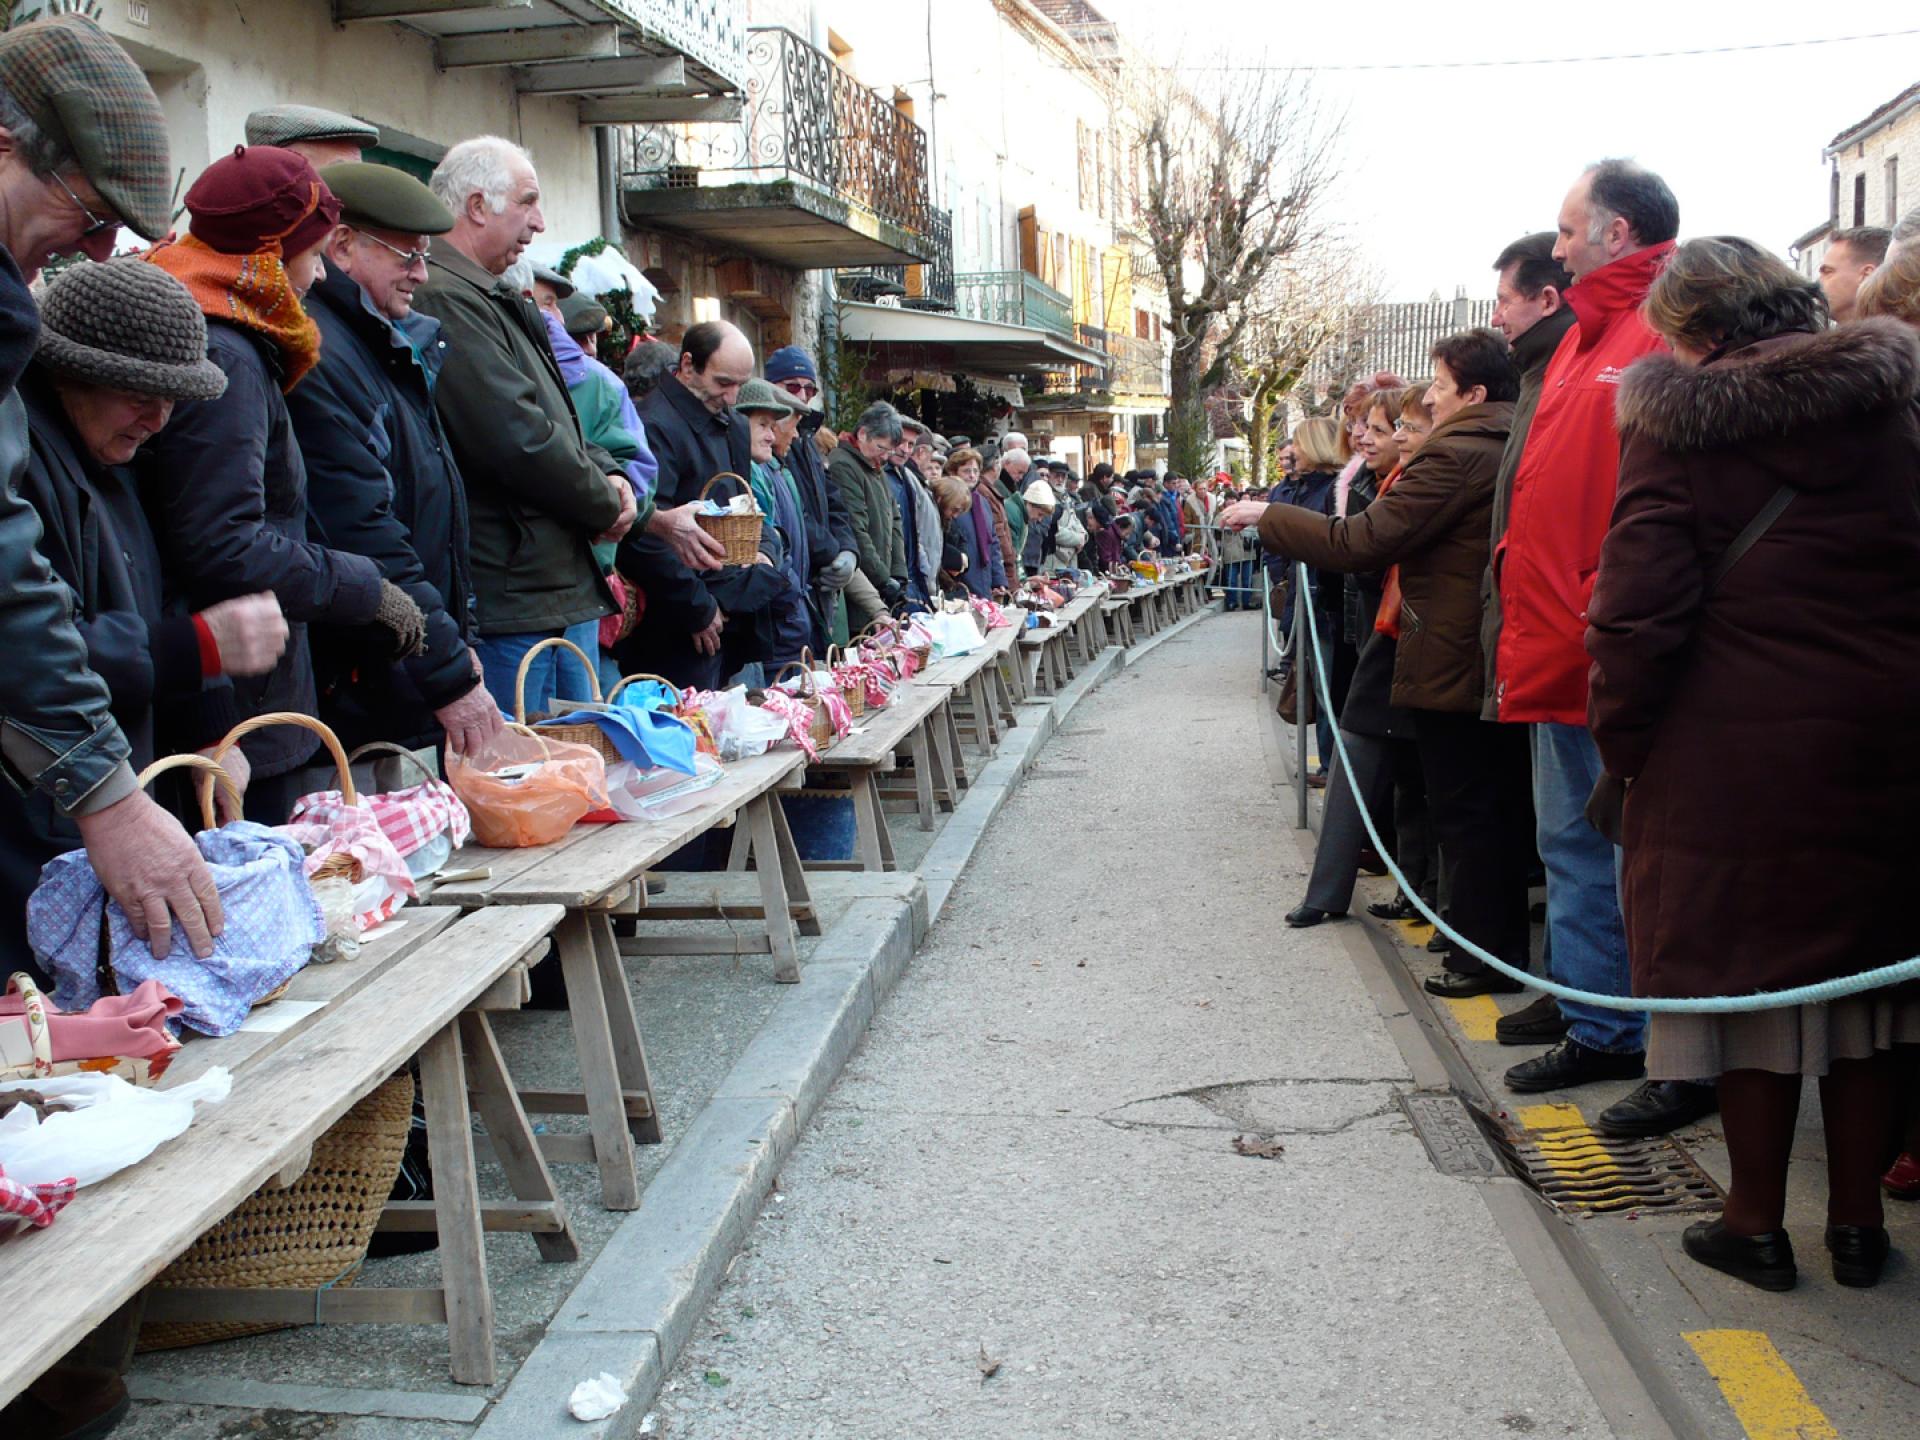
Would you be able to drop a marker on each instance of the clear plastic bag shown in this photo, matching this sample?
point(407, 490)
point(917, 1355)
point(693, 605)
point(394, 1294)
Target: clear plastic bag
point(110, 1126)
point(522, 789)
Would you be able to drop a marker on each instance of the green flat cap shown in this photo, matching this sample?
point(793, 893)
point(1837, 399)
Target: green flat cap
point(757, 394)
point(86, 94)
point(547, 275)
point(582, 314)
point(285, 124)
point(379, 197)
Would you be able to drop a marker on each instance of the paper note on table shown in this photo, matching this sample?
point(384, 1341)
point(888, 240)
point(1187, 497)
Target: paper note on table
point(280, 1015)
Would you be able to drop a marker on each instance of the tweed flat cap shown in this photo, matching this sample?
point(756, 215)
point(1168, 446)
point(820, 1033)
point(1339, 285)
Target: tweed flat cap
point(284, 124)
point(582, 315)
point(86, 94)
point(547, 275)
point(380, 197)
point(127, 325)
point(759, 395)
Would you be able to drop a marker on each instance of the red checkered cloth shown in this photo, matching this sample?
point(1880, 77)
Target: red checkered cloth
point(36, 1204)
point(409, 818)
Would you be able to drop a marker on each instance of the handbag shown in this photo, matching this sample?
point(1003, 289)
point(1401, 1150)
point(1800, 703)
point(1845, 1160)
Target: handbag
point(1607, 804)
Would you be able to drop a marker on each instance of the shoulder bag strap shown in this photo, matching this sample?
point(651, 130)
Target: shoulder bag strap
point(1744, 541)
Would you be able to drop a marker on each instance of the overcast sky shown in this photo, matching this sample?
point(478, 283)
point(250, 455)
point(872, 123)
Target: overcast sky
point(1442, 168)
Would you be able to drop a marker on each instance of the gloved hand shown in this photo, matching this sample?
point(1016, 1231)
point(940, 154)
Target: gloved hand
point(892, 593)
point(838, 573)
point(403, 619)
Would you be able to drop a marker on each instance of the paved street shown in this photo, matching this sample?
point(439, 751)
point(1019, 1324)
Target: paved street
point(1021, 1211)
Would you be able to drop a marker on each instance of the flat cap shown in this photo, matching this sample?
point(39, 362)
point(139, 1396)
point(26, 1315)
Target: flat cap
point(86, 94)
point(547, 275)
point(380, 197)
point(284, 124)
point(757, 394)
point(582, 315)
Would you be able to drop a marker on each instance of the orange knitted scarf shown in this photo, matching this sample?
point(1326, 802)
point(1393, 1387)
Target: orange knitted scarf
point(251, 291)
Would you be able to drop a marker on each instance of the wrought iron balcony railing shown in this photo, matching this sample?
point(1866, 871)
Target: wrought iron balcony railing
point(805, 118)
point(1139, 366)
point(1013, 297)
point(913, 287)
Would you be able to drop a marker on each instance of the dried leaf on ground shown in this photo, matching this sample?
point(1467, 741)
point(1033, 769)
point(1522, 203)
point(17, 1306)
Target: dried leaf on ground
point(988, 1368)
point(1260, 1147)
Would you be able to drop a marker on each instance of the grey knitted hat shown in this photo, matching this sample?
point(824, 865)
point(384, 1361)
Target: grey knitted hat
point(127, 325)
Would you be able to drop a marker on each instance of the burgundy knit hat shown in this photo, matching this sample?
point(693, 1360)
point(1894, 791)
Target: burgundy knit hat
point(259, 195)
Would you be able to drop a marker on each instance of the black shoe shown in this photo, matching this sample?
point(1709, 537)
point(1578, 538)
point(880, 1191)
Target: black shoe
point(1540, 1023)
point(1765, 1261)
point(1302, 917)
point(1859, 1254)
point(1658, 1107)
point(1439, 944)
point(1462, 984)
point(1570, 1063)
point(1398, 908)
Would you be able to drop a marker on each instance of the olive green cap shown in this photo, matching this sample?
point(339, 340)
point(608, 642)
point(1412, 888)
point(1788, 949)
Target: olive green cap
point(379, 197)
point(582, 315)
point(547, 275)
point(86, 94)
point(757, 394)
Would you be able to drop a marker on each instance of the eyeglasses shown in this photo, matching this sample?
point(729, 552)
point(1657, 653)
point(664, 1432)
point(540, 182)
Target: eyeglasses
point(408, 258)
point(95, 225)
point(805, 389)
point(1407, 427)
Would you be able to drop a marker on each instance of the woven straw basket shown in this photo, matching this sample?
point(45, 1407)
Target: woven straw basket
point(339, 863)
point(586, 732)
point(740, 534)
point(820, 726)
point(855, 694)
point(312, 1234)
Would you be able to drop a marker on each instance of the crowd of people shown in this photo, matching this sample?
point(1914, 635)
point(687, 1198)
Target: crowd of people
point(1616, 601)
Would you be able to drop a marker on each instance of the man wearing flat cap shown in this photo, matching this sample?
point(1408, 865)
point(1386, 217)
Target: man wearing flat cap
point(325, 137)
point(381, 477)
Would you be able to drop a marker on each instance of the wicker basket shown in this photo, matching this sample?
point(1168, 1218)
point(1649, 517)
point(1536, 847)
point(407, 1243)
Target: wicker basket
point(855, 694)
point(820, 726)
point(739, 534)
point(340, 862)
point(585, 732)
point(314, 1233)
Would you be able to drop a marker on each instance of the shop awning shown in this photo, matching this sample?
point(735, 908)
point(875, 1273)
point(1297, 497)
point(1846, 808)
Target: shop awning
point(955, 342)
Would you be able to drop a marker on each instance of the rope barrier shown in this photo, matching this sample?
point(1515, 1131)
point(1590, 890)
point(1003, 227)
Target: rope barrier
point(1815, 994)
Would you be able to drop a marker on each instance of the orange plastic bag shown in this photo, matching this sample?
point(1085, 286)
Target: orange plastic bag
point(522, 789)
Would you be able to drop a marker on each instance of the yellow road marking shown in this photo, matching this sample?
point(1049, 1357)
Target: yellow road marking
point(1550, 1117)
point(1766, 1397)
point(1562, 1136)
point(1476, 1016)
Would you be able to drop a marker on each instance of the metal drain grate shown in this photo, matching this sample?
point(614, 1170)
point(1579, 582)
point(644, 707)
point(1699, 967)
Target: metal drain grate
point(1573, 1168)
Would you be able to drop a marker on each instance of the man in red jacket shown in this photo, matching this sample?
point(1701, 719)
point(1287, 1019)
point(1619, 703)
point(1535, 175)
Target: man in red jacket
point(1616, 229)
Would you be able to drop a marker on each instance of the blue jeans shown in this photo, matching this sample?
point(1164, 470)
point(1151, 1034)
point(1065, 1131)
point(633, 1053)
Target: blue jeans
point(553, 674)
point(1588, 940)
point(1239, 586)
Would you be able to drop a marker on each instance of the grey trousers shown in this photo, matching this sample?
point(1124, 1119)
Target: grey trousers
point(1336, 863)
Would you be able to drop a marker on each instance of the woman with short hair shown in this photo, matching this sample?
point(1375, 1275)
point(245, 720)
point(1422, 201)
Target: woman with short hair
point(1755, 634)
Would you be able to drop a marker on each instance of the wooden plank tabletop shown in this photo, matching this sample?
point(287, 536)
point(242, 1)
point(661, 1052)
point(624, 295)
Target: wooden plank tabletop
point(57, 1284)
point(878, 733)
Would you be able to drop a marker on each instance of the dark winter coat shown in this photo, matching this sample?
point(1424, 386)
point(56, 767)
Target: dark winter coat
point(1433, 524)
point(985, 571)
point(1768, 729)
point(381, 482)
point(829, 531)
point(226, 486)
point(879, 539)
point(537, 490)
point(693, 445)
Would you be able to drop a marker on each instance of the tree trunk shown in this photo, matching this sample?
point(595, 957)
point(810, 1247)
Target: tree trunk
point(1189, 433)
point(1260, 435)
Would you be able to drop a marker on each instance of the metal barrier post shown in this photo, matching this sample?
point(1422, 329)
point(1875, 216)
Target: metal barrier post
point(1302, 692)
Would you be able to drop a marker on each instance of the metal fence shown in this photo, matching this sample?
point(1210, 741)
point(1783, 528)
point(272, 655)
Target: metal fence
point(1013, 297)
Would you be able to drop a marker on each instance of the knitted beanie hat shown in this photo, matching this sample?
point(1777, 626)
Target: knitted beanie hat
point(127, 325)
point(261, 197)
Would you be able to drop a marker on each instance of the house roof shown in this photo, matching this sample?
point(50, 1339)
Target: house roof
point(1861, 129)
point(1069, 12)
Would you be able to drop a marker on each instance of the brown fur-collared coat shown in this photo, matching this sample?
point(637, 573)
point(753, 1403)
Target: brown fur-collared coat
point(1771, 730)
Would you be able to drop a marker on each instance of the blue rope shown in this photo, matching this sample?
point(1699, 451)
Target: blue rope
point(1816, 994)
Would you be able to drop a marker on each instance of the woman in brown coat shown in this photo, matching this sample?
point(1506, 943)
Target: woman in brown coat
point(1766, 725)
point(1433, 526)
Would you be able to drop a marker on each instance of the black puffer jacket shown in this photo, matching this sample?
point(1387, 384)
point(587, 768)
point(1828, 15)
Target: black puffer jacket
point(381, 482)
point(227, 490)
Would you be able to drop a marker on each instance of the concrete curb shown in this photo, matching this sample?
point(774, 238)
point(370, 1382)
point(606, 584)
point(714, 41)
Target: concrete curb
point(634, 1309)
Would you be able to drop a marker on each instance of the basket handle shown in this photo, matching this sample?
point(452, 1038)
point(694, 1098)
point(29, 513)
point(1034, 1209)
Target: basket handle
point(546, 750)
point(740, 480)
point(832, 664)
point(33, 1006)
point(387, 747)
point(216, 772)
point(806, 673)
point(520, 680)
point(302, 722)
point(626, 680)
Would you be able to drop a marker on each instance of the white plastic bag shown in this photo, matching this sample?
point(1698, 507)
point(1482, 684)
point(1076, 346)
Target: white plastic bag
point(655, 794)
point(597, 1398)
point(953, 634)
point(112, 1125)
point(741, 731)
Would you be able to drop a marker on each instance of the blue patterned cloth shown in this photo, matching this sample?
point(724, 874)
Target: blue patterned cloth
point(272, 926)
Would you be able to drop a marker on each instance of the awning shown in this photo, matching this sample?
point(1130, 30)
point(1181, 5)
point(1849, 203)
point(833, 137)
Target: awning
point(956, 342)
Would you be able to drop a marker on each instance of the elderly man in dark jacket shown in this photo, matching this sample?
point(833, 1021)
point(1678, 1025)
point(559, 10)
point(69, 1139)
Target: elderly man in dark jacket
point(538, 494)
point(858, 470)
point(834, 557)
point(696, 435)
point(381, 479)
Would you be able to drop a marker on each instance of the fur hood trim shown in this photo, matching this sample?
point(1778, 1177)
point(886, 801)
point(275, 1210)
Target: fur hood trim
point(1773, 388)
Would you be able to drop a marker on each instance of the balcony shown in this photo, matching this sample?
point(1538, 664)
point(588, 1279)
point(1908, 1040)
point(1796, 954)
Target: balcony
point(818, 172)
point(1139, 366)
point(912, 287)
point(1013, 297)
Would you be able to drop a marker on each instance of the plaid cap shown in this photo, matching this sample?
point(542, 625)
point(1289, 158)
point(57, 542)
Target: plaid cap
point(85, 93)
point(284, 124)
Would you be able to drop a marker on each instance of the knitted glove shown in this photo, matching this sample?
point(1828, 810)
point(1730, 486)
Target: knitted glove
point(403, 618)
